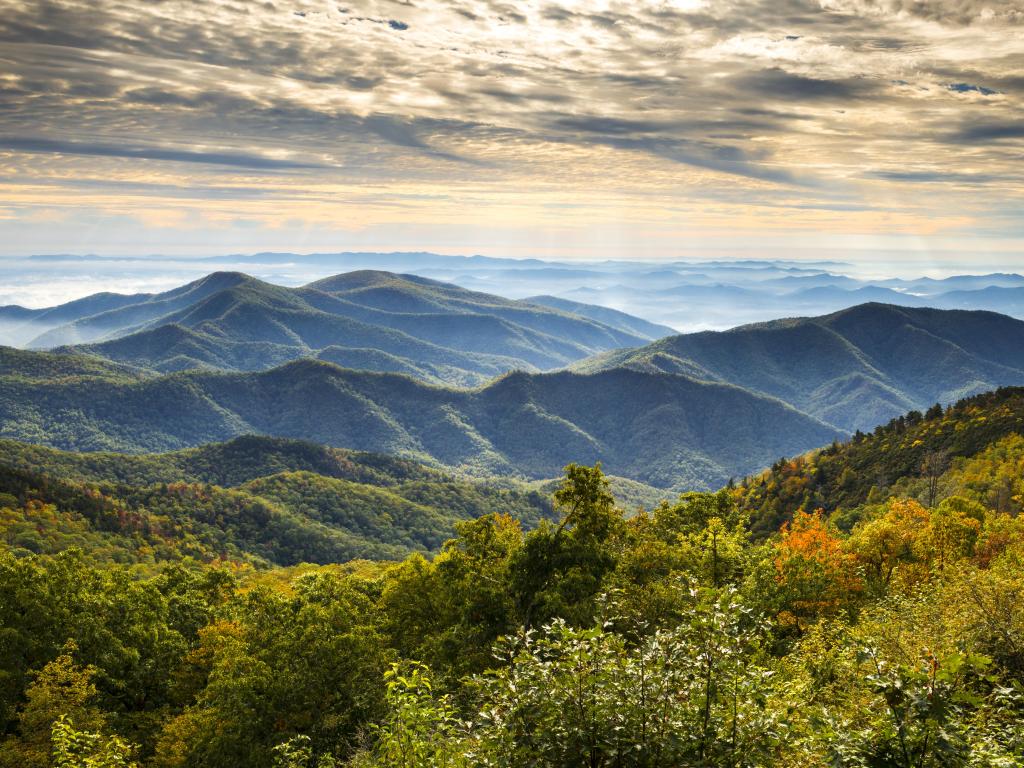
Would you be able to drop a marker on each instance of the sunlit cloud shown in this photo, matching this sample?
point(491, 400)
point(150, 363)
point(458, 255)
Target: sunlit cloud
point(205, 126)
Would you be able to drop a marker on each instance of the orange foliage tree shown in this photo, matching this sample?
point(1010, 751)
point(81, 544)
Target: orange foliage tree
point(814, 573)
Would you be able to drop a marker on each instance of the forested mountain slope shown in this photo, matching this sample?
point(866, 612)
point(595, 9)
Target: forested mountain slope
point(853, 369)
point(892, 637)
point(368, 320)
point(263, 501)
point(665, 430)
point(973, 447)
point(612, 317)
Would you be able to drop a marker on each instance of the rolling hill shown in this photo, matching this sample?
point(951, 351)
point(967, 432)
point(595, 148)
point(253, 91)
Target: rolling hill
point(853, 369)
point(369, 320)
point(257, 500)
point(665, 430)
point(611, 317)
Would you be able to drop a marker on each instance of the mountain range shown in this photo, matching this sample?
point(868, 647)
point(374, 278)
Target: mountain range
point(463, 381)
point(368, 320)
point(852, 369)
point(665, 430)
point(685, 295)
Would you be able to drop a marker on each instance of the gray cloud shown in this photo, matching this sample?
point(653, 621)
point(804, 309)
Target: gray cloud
point(807, 95)
point(935, 177)
point(723, 158)
point(787, 86)
point(988, 132)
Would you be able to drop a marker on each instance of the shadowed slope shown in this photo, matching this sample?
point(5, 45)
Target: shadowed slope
point(855, 368)
point(665, 430)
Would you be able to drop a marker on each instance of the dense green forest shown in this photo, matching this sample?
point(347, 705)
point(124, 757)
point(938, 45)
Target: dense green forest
point(918, 455)
point(859, 606)
point(262, 501)
point(664, 430)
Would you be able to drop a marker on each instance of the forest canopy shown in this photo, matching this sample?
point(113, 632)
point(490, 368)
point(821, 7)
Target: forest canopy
point(887, 633)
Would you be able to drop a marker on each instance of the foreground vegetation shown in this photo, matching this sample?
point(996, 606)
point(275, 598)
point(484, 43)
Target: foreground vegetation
point(886, 630)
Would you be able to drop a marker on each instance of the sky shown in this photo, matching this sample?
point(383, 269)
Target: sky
point(876, 130)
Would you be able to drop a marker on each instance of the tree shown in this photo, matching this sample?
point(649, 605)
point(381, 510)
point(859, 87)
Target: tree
point(83, 749)
point(694, 511)
point(954, 529)
point(814, 575)
point(559, 569)
point(892, 537)
point(692, 695)
point(926, 708)
point(450, 611)
point(62, 689)
point(932, 467)
point(304, 661)
point(421, 729)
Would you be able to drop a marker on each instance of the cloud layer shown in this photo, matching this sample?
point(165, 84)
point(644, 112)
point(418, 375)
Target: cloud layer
point(536, 120)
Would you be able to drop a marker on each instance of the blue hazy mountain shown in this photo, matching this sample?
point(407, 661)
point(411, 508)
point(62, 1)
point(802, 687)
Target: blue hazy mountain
point(855, 368)
point(368, 319)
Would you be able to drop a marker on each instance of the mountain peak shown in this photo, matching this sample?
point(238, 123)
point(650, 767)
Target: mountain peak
point(854, 368)
point(369, 278)
point(220, 280)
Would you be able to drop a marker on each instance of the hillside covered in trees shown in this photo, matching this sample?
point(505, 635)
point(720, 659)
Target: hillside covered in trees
point(666, 431)
point(854, 368)
point(686, 412)
point(260, 501)
point(803, 617)
point(964, 449)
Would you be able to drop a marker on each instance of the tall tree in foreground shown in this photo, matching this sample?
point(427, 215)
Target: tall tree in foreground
point(560, 569)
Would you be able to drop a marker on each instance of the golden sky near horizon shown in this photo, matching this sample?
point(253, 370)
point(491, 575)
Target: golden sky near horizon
point(567, 129)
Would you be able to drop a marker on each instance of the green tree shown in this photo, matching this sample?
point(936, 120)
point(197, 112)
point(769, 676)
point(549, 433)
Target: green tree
point(693, 695)
point(421, 729)
point(84, 749)
point(60, 689)
point(560, 569)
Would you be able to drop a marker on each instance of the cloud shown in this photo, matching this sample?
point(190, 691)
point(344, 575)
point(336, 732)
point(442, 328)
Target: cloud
point(230, 159)
point(952, 12)
point(787, 86)
point(452, 110)
point(935, 177)
point(975, 133)
point(968, 88)
point(722, 158)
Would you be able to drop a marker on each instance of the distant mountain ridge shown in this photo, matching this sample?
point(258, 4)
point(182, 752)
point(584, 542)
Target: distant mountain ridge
point(688, 411)
point(686, 294)
point(369, 320)
point(664, 430)
point(855, 368)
